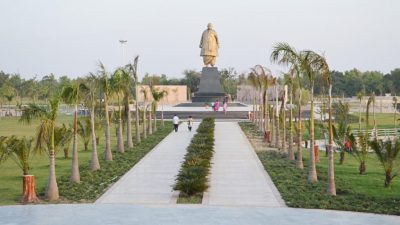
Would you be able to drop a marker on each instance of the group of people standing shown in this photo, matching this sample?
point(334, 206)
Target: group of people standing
point(216, 106)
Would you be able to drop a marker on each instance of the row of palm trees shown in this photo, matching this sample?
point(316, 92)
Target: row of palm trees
point(302, 64)
point(94, 91)
point(307, 65)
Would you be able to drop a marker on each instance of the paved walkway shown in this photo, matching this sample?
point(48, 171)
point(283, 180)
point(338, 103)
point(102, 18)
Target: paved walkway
point(150, 181)
point(99, 214)
point(237, 176)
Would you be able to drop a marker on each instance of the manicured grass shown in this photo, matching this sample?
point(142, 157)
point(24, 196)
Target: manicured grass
point(93, 184)
point(10, 174)
point(194, 199)
point(364, 193)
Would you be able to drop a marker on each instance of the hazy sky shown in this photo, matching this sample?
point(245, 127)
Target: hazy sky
point(68, 37)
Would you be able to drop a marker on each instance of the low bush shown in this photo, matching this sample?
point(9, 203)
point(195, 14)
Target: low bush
point(191, 180)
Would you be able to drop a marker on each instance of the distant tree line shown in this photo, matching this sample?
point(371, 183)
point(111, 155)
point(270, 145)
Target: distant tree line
point(347, 83)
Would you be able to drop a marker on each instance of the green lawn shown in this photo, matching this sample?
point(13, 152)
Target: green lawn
point(355, 192)
point(10, 174)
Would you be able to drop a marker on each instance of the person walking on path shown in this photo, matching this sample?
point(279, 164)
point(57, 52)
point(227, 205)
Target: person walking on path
point(225, 106)
point(190, 123)
point(175, 121)
point(216, 106)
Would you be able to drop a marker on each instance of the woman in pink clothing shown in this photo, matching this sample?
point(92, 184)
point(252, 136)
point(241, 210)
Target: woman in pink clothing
point(216, 106)
point(225, 106)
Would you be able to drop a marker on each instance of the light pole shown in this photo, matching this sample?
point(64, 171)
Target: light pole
point(123, 42)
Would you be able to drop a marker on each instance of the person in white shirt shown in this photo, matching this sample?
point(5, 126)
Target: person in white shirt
point(175, 121)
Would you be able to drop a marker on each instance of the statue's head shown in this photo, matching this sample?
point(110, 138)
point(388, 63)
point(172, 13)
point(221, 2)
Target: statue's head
point(209, 26)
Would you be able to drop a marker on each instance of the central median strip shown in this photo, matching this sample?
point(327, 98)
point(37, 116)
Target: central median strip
point(192, 180)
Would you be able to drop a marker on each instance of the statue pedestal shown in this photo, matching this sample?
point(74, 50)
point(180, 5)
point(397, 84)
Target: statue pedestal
point(210, 88)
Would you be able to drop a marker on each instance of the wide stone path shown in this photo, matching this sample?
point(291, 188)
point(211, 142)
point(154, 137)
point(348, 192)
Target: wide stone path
point(237, 176)
point(150, 181)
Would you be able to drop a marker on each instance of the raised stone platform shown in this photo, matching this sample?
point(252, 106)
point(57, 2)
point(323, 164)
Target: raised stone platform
point(210, 88)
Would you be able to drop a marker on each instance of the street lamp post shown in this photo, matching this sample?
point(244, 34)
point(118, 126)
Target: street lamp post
point(123, 42)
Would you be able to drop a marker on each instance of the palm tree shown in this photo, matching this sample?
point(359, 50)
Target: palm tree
point(45, 134)
point(341, 132)
point(116, 85)
point(290, 83)
point(373, 112)
point(387, 153)
point(283, 112)
point(260, 79)
point(106, 89)
point(255, 82)
point(157, 96)
point(285, 54)
point(360, 150)
point(360, 96)
point(133, 71)
point(144, 92)
point(395, 113)
point(84, 131)
point(162, 109)
point(321, 66)
point(91, 100)
point(19, 150)
point(126, 89)
point(72, 94)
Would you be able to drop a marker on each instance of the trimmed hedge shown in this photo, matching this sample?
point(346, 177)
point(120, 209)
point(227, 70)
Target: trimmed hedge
point(192, 177)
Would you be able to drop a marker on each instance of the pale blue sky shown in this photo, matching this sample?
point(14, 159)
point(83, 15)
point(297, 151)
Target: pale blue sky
point(68, 37)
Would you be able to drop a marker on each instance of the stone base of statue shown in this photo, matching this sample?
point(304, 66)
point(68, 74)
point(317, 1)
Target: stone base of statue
point(210, 88)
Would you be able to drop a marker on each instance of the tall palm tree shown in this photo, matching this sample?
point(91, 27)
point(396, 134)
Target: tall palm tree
point(283, 112)
point(360, 96)
point(73, 94)
point(255, 82)
point(374, 116)
point(45, 132)
point(116, 86)
point(106, 89)
point(92, 84)
point(126, 89)
point(133, 71)
point(323, 68)
point(284, 54)
point(395, 113)
point(157, 96)
point(144, 92)
point(162, 109)
point(290, 83)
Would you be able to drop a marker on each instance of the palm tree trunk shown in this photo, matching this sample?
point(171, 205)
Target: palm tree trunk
point(150, 120)
point(375, 128)
point(137, 114)
point(155, 117)
point(120, 141)
point(266, 120)
point(144, 121)
point(128, 124)
point(283, 124)
point(94, 162)
point(299, 161)
point(272, 143)
point(261, 124)
point(254, 110)
point(75, 176)
point(290, 150)
point(359, 117)
point(312, 172)
point(51, 192)
point(331, 170)
point(277, 132)
point(108, 153)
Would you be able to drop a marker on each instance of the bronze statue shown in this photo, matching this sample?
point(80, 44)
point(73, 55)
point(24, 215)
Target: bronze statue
point(209, 46)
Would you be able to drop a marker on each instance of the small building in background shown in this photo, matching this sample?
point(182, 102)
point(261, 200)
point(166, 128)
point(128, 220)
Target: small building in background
point(175, 93)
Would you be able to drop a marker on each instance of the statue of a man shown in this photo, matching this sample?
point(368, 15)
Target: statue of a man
point(209, 46)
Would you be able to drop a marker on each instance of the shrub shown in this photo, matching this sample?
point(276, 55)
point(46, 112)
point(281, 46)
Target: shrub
point(192, 177)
